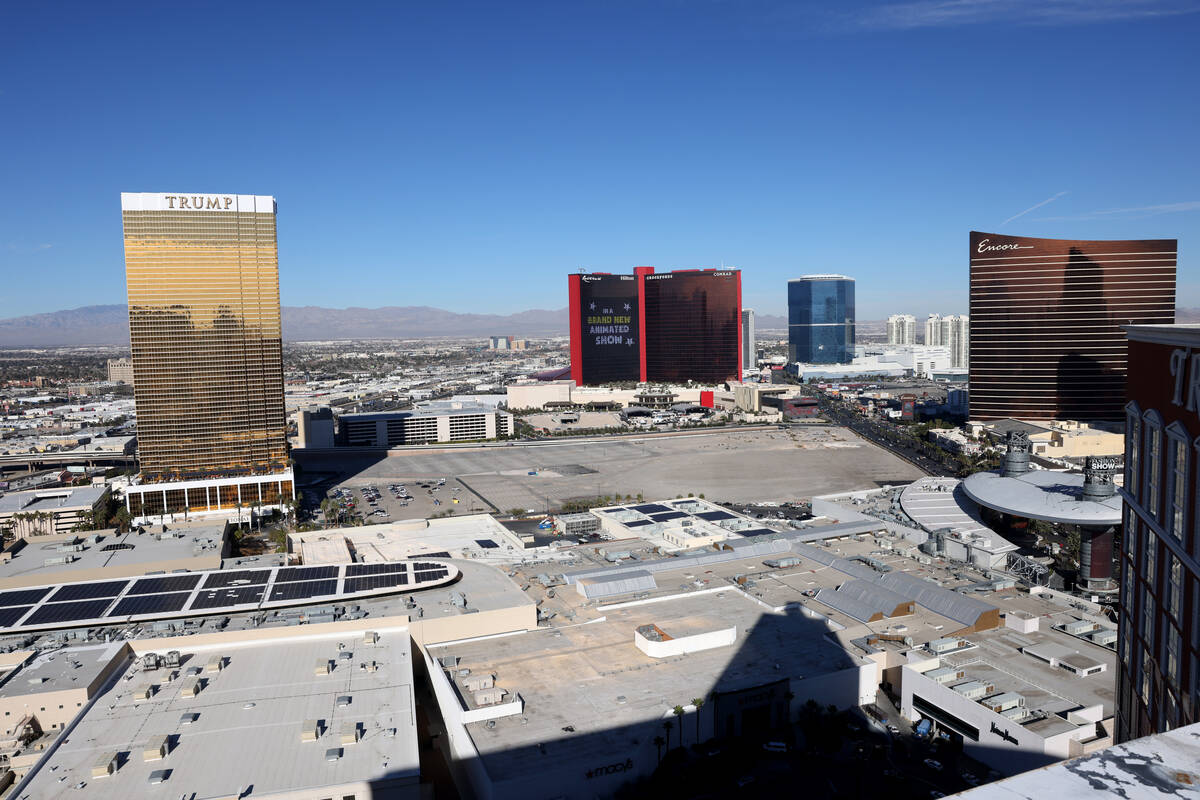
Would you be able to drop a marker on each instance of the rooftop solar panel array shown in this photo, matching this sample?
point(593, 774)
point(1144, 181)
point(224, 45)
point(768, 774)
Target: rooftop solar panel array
point(88, 591)
point(65, 612)
point(167, 583)
point(236, 577)
point(651, 508)
point(150, 604)
point(10, 615)
point(376, 582)
point(162, 595)
point(713, 516)
point(229, 596)
point(358, 570)
point(22, 597)
point(290, 574)
point(668, 515)
point(298, 590)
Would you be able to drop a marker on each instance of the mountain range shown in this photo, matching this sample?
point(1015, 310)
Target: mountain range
point(108, 325)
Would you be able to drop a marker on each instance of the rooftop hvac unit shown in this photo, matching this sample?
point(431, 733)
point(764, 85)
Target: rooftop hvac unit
point(309, 730)
point(156, 748)
point(370, 637)
point(350, 733)
point(105, 765)
point(333, 754)
point(322, 667)
point(215, 664)
point(172, 659)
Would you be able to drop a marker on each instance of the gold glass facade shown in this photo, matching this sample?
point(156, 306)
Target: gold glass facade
point(204, 325)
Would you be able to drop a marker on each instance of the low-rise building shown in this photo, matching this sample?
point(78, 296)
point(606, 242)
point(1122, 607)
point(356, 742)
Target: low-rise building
point(40, 512)
point(120, 370)
point(434, 422)
point(230, 711)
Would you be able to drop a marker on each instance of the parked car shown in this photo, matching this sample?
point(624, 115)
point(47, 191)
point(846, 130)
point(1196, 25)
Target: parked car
point(929, 762)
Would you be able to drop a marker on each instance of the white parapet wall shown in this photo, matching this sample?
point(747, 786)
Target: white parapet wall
point(658, 644)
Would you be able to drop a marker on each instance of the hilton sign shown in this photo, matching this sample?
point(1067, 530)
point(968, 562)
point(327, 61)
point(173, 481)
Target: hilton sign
point(199, 202)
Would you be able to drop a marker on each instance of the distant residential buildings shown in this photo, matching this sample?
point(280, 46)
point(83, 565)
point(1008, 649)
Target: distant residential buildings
point(902, 329)
point(821, 319)
point(506, 343)
point(203, 282)
point(954, 332)
point(1046, 315)
point(120, 370)
point(749, 342)
point(679, 326)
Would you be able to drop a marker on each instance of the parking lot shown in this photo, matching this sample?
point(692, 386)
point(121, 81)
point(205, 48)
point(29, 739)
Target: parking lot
point(399, 499)
point(742, 466)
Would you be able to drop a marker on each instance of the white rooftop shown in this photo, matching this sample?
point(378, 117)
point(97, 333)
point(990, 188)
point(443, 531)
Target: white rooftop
point(248, 720)
point(1044, 495)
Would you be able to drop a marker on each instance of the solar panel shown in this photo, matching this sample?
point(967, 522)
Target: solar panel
point(437, 554)
point(486, 544)
point(359, 570)
point(66, 612)
point(714, 515)
point(637, 523)
point(10, 615)
point(667, 516)
point(417, 565)
point(376, 582)
point(298, 590)
point(757, 532)
point(651, 508)
point(429, 575)
point(150, 604)
point(290, 574)
point(108, 548)
point(23, 597)
point(171, 583)
point(241, 577)
point(87, 591)
point(231, 596)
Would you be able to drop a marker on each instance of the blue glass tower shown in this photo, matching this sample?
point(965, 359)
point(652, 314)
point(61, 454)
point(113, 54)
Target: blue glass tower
point(821, 319)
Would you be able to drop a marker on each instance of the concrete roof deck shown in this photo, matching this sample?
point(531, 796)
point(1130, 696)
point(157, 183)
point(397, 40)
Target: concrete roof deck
point(593, 678)
point(250, 715)
point(59, 670)
point(998, 660)
point(55, 499)
point(145, 548)
point(400, 539)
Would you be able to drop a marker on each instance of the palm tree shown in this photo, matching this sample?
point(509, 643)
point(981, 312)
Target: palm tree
point(698, 702)
point(667, 727)
point(658, 742)
point(678, 712)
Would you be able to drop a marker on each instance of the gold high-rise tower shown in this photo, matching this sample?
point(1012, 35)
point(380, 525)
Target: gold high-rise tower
point(204, 325)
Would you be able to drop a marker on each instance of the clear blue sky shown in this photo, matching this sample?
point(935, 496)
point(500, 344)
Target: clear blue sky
point(469, 155)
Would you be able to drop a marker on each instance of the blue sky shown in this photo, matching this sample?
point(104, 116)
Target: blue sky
point(469, 155)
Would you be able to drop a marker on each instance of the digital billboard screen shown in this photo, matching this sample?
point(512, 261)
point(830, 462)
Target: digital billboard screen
point(609, 335)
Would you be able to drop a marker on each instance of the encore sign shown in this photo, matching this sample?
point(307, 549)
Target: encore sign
point(199, 202)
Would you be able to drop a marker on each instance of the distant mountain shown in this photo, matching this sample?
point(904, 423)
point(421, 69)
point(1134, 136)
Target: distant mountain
point(109, 325)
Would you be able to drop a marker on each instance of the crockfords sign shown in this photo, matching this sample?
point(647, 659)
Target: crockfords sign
point(199, 202)
point(985, 246)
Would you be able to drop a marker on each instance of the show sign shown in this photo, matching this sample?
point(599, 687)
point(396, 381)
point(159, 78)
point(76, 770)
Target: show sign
point(610, 337)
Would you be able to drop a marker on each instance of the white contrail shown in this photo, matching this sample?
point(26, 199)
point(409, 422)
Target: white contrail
point(1032, 208)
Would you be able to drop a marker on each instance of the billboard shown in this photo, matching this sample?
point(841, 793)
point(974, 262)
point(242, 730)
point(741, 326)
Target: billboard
point(605, 329)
